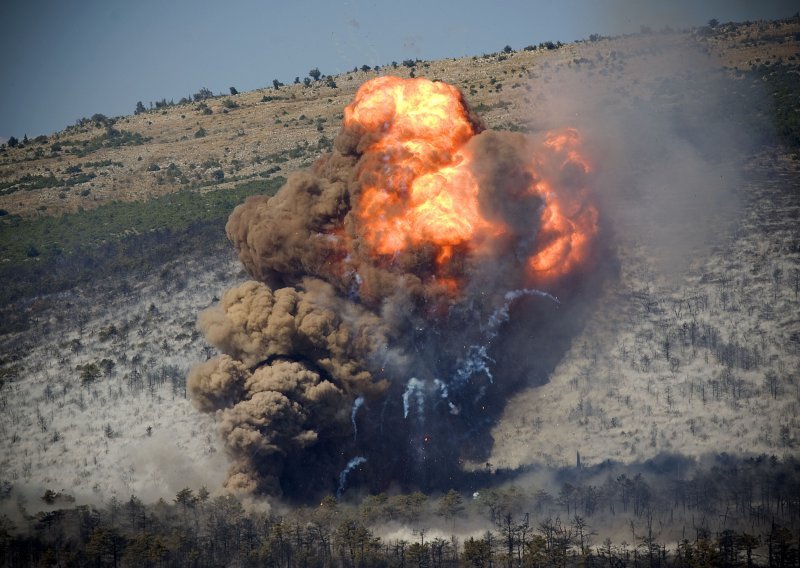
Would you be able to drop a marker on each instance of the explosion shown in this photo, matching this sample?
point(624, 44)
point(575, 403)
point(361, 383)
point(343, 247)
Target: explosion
point(418, 187)
point(373, 333)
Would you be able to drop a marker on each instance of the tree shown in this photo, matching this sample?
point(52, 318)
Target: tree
point(202, 95)
point(507, 49)
point(440, 547)
point(12, 142)
point(408, 508)
point(508, 533)
point(106, 546)
point(202, 494)
point(772, 383)
point(583, 533)
point(418, 554)
point(234, 91)
point(567, 496)
point(89, 373)
point(315, 74)
point(355, 543)
point(536, 551)
point(137, 514)
point(277, 84)
point(145, 549)
point(747, 542)
point(186, 499)
point(478, 552)
point(713, 23)
point(779, 546)
point(557, 540)
point(373, 507)
point(450, 505)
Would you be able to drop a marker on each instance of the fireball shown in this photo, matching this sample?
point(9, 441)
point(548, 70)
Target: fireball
point(419, 188)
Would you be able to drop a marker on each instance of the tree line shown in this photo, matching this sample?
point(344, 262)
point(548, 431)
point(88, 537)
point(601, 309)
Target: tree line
point(730, 513)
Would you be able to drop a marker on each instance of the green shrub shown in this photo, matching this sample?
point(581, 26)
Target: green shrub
point(78, 179)
point(119, 236)
point(202, 95)
point(29, 183)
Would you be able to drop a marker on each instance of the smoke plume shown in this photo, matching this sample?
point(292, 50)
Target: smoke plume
point(372, 346)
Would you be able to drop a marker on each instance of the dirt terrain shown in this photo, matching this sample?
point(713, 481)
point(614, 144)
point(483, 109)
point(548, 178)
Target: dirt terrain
point(250, 134)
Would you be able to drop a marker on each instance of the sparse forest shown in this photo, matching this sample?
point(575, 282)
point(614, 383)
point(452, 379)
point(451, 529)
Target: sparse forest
point(731, 513)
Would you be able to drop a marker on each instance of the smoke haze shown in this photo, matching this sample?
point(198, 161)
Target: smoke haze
point(668, 128)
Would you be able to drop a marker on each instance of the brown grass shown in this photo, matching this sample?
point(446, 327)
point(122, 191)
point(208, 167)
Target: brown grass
point(245, 141)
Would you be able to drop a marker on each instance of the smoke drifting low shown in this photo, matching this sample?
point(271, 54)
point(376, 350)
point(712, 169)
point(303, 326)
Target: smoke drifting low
point(373, 347)
point(293, 359)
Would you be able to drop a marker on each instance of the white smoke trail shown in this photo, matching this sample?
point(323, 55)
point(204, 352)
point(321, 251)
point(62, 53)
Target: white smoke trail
point(444, 393)
point(353, 463)
point(357, 403)
point(478, 359)
point(414, 388)
point(500, 315)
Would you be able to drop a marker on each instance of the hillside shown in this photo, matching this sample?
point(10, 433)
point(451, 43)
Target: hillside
point(100, 160)
point(111, 242)
point(690, 364)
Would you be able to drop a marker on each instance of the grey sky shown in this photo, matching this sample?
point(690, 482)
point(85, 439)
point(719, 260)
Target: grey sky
point(66, 59)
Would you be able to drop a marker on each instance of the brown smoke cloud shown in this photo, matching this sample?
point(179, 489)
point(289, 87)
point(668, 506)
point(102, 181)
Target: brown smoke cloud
point(293, 362)
point(379, 277)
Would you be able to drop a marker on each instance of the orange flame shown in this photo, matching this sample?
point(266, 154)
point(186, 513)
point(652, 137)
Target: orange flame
point(422, 190)
point(418, 189)
point(568, 220)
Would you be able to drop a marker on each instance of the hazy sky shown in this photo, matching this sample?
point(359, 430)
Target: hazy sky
point(67, 59)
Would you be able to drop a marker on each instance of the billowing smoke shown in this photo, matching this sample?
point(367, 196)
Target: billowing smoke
point(373, 347)
point(294, 358)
